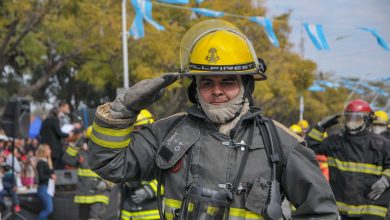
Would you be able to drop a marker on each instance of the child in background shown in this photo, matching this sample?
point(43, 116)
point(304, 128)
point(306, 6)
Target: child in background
point(9, 187)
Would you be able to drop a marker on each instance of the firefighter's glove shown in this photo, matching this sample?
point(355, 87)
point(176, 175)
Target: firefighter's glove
point(378, 188)
point(328, 122)
point(140, 96)
point(142, 194)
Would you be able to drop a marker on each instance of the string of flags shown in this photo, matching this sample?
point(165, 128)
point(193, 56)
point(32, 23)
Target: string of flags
point(143, 12)
point(359, 87)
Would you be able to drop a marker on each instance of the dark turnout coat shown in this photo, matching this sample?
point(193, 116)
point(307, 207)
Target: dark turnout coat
point(118, 154)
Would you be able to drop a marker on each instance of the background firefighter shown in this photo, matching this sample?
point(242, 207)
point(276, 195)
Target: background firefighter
point(139, 198)
point(92, 191)
point(359, 163)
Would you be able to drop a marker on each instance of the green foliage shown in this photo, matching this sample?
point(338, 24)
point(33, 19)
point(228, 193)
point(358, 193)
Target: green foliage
point(72, 48)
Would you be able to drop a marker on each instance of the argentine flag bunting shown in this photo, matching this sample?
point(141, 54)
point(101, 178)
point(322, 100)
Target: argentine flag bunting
point(379, 39)
point(179, 2)
point(267, 24)
point(143, 10)
point(137, 28)
point(199, 1)
point(317, 36)
point(207, 12)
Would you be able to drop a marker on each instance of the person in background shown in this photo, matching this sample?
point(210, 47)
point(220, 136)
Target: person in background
point(9, 187)
point(305, 126)
point(381, 123)
point(45, 172)
point(359, 163)
point(139, 199)
point(51, 134)
point(92, 193)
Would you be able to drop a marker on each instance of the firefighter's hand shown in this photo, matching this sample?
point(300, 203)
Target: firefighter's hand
point(329, 121)
point(140, 96)
point(378, 188)
point(141, 195)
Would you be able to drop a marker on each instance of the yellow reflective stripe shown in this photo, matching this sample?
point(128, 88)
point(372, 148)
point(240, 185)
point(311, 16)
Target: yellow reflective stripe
point(112, 132)
point(86, 172)
point(386, 172)
point(150, 214)
point(234, 212)
point(355, 167)
point(71, 151)
point(316, 135)
point(243, 213)
point(111, 138)
point(110, 144)
point(91, 199)
point(172, 203)
point(362, 209)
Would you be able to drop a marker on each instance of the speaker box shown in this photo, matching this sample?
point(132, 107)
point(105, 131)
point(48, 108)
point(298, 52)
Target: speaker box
point(16, 118)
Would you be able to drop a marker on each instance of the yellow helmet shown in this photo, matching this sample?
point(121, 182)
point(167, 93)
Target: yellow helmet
point(144, 118)
point(296, 129)
point(303, 123)
point(381, 118)
point(88, 132)
point(217, 47)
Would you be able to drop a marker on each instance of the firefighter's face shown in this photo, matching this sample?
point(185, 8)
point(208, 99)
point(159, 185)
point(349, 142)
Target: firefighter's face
point(217, 90)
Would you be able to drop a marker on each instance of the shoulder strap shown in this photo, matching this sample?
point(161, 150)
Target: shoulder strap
point(268, 129)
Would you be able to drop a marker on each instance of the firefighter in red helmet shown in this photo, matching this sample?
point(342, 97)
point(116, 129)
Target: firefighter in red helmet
point(359, 163)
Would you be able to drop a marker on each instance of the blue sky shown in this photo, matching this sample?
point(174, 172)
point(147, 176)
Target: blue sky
point(357, 55)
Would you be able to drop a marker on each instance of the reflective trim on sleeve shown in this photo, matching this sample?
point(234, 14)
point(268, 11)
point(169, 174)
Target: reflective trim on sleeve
point(386, 172)
point(110, 138)
point(153, 185)
point(316, 135)
point(355, 167)
point(71, 151)
point(91, 199)
point(141, 215)
point(235, 213)
point(86, 173)
point(361, 209)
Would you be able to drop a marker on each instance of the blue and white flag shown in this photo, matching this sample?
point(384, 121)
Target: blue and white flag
point(379, 39)
point(137, 28)
point(317, 36)
point(143, 10)
point(208, 13)
point(267, 24)
point(178, 2)
point(199, 1)
point(316, 88)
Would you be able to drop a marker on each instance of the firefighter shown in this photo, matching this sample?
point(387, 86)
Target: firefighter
point(305, 126)
point(139, 199)
point(296, 129)
point(92, 192)
point(221, 159)
point(359, 163)
point(381, 123)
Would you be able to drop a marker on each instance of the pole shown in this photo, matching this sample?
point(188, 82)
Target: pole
point(124, 45)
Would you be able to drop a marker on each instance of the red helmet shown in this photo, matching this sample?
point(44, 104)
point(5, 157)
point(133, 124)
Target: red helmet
point(358, 105)
point(358, 116)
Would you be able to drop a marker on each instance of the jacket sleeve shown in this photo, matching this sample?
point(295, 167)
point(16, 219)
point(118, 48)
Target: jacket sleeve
point(116, 153)
point(316, 141)
point(57, 129)
point(302, 181)
point(71, 156)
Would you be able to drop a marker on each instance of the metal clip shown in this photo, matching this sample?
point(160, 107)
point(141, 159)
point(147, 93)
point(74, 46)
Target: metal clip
point(240, 188)
point(226, 186)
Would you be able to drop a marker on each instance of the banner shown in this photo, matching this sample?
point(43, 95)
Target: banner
point(267, 24)
point(208, 13)
point(179, 2)
point(317, 36)
point(379, 39)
